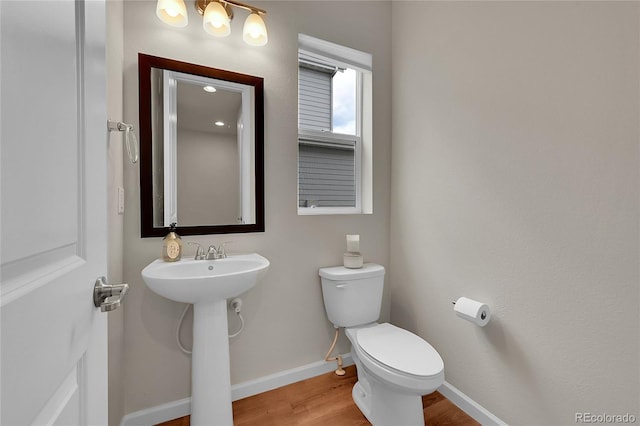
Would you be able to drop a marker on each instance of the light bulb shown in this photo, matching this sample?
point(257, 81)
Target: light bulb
point(254, 31)
point(172, 12)
point(216, 21)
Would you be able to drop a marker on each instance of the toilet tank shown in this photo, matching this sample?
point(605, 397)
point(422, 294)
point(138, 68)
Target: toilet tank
point(352, 297)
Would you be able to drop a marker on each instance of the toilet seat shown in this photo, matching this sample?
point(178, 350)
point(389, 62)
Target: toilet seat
point(400, 350)
point(395, 376)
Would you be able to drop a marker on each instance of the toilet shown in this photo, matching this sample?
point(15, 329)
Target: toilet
point(395, 367)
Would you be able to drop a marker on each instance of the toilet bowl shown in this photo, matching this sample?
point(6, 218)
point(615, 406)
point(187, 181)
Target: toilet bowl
point(395, 367)
point(398, 357)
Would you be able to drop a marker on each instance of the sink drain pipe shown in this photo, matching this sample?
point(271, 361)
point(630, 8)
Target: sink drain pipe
point(337, 358)
point(236, 304)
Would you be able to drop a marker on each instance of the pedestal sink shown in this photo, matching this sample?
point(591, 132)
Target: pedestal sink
point(207, 284)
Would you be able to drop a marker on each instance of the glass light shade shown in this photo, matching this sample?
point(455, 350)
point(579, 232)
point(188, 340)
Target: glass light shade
point(254, 32)
point(172, 12)
point(216, 21)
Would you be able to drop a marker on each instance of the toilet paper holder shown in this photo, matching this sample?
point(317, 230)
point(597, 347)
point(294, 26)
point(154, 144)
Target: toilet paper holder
point(472, 310)
point(483, 314)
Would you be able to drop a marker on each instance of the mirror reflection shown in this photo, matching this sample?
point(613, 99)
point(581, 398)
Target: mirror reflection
point(208, 157)
point(204, 142)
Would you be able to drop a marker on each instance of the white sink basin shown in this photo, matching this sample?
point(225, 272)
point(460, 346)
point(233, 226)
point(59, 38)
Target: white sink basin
point(195, 281)
point(207, 284)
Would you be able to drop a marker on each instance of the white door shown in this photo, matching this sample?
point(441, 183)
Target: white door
point(53, 212)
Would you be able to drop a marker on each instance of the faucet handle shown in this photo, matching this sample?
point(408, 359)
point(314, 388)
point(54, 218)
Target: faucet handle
point(199, 251)
point(222, 251)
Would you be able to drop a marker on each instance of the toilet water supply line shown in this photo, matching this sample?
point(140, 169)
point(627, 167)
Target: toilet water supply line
point(236, 304)
point(338, 358)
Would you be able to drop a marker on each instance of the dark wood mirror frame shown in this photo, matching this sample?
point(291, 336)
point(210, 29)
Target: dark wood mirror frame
point(145, 63)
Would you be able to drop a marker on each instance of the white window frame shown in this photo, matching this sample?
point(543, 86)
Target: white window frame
point(334, 140)
point(362, 141)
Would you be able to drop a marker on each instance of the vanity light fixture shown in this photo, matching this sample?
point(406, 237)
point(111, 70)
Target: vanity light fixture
point(254, 31)
point(172, 12)
point(216, 18)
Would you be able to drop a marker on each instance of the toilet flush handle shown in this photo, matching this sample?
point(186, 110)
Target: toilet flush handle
point(341, 285)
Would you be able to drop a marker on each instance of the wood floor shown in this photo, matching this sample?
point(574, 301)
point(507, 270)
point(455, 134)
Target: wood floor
point(325, 400)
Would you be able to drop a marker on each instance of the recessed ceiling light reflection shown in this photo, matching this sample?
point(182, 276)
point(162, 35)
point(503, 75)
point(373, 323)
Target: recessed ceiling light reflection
point(209, 89)
point(219, 123)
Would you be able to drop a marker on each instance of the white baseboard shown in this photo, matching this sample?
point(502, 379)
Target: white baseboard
point(283, 378)
point(469, 406)
point(158, 414)
point(173, 410)
point(181, 408)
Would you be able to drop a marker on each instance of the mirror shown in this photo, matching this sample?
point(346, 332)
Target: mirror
point(201, 149)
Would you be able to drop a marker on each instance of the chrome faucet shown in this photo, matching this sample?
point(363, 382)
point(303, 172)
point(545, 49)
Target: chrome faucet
point(216, 253)
point(212, 253)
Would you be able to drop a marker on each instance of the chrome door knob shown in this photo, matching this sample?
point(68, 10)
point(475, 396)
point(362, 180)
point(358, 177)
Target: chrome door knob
point(108, 297)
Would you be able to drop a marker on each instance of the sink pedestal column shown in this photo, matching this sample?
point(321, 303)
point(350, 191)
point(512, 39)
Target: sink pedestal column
point(210, 374)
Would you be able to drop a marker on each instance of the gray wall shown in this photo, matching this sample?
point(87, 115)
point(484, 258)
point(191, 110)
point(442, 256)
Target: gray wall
point(115, 31)
point(208, 178)
point(515, 182)
point(286, 325)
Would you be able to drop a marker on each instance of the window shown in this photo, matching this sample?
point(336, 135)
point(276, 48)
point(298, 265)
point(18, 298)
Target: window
point(334, 128)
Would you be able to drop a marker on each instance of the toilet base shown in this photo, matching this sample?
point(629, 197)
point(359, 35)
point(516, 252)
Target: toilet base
point(382, 397)
point(384, 408)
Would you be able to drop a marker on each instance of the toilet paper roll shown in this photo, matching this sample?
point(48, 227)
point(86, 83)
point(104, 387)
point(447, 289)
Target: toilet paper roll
point(472, 310)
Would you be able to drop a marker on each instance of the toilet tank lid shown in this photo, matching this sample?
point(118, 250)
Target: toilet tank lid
point(339, 273)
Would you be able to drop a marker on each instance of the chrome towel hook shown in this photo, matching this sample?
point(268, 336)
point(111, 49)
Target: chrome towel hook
point(130, 140)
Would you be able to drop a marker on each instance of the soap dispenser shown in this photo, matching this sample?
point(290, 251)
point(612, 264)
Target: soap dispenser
point(172, 245)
